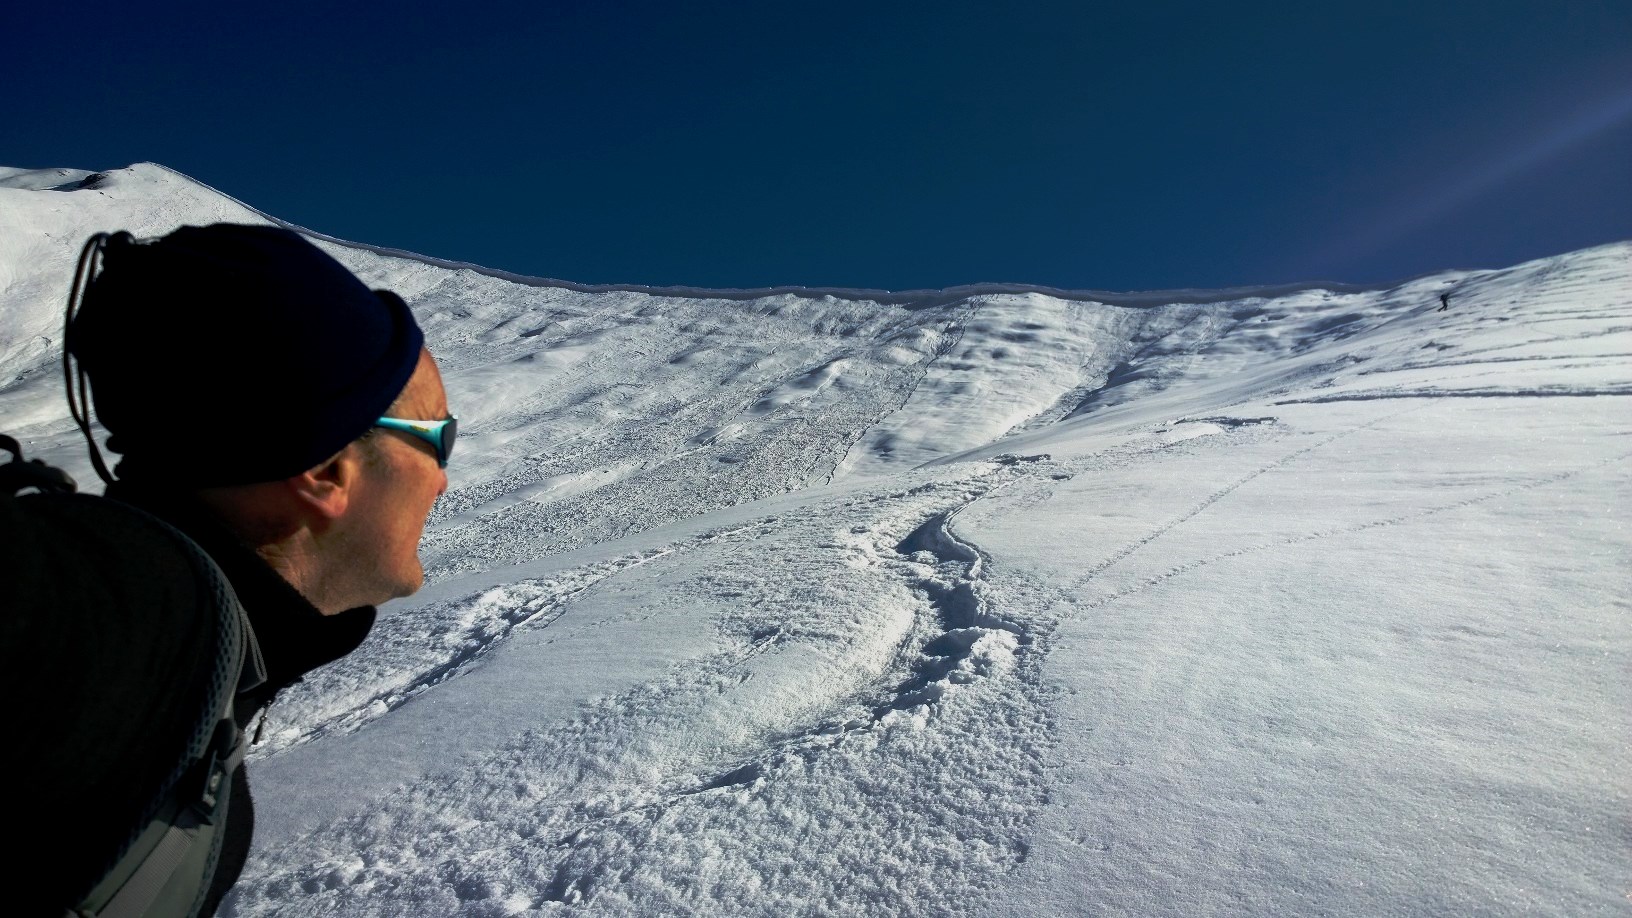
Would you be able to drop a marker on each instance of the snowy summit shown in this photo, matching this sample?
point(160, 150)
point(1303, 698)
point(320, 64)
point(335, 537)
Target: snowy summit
point(996, 602)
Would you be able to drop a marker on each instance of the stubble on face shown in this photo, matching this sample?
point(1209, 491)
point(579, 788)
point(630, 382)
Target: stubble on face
point(403, 484)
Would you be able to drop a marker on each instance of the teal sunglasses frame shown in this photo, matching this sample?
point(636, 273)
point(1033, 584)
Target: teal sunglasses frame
point(440, 434)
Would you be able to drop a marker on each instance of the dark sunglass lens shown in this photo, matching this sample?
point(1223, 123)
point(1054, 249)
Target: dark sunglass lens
point(449, 433)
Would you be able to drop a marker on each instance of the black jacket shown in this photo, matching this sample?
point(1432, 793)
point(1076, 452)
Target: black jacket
point(294, 639)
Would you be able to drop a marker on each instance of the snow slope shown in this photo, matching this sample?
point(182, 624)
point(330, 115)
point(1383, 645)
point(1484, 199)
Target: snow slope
point(1000, 601)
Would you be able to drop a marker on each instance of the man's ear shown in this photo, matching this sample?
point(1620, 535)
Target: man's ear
point(326, 491)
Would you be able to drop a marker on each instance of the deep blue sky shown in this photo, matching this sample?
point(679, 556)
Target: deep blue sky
point(882, 144)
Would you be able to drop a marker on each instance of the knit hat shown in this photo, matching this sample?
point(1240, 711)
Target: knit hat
point(232, 354)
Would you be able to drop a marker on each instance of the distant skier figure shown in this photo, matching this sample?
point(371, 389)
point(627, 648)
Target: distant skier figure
point(1444, 302)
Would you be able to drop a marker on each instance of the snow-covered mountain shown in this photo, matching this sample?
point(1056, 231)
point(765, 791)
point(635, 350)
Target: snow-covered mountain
point(992, 601)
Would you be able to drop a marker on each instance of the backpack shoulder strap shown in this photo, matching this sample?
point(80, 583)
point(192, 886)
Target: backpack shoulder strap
point(168, 865)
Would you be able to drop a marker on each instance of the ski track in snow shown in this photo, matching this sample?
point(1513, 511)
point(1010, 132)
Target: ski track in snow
point(951, 337)
point(1382, 394)
point(1399, 520)
point(1222, 493)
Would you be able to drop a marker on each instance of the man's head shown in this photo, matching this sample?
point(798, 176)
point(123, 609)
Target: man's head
point(245, 365)
point(232, 354)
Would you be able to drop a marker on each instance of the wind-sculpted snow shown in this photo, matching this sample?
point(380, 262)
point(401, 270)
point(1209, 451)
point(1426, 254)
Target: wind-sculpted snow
point(734, 403)
point(991, 601)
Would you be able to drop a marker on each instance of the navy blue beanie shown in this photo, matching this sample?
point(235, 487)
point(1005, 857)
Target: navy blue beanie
point(231, 354)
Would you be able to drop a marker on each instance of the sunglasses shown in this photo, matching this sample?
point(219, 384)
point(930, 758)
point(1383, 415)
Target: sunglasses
point(440, 434)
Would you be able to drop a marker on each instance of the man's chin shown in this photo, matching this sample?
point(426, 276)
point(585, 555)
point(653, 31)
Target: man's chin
point(411, 584)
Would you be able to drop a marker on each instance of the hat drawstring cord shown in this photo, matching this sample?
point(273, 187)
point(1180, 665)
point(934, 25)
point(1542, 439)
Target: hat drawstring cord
point(79, 401)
